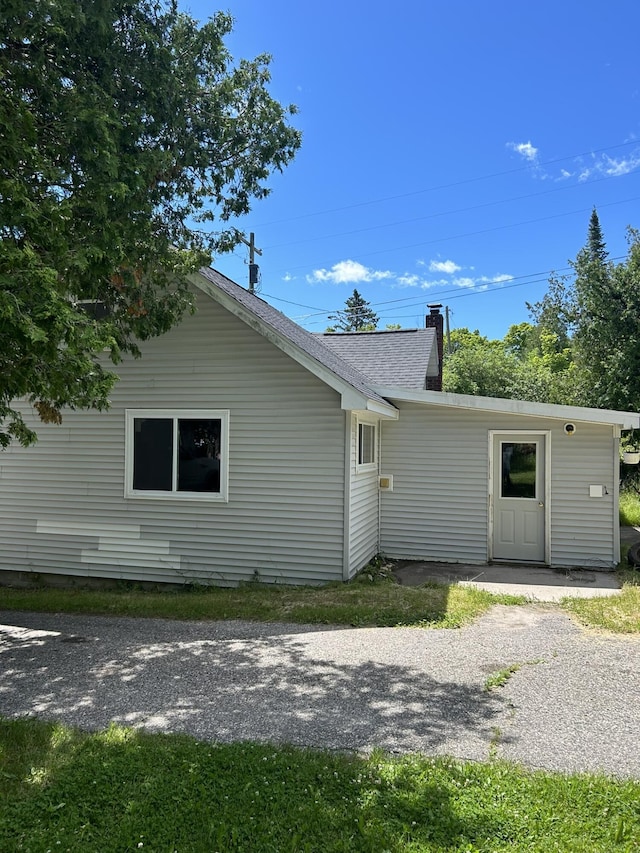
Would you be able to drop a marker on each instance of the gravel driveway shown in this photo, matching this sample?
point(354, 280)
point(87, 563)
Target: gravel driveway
point(573, 705)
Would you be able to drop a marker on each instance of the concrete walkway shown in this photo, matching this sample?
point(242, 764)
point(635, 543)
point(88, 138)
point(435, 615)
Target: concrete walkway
point(535, 582)
point(573, 704)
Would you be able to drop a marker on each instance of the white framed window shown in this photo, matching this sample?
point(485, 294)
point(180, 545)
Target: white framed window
point(366, 449)
point(177, 454)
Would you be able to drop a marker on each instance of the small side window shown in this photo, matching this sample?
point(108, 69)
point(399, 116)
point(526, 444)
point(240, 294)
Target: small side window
point(366, 444)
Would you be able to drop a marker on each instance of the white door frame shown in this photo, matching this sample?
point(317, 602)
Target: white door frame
point(546, 434)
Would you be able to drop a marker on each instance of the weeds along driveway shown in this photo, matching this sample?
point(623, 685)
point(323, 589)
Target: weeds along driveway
point(574, 703)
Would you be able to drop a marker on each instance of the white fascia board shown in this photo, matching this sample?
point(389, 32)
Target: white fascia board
point(352, 401)
point(624, 420)
point(350, 397)
point(389, 412)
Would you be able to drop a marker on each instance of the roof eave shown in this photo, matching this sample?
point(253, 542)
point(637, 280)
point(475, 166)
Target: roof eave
point(624, 420)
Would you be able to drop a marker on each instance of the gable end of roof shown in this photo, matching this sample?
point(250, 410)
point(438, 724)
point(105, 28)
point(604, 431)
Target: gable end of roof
point(302, 346)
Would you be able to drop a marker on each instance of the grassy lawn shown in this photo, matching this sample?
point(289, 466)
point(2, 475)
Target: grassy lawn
point(121, 790)
point(118, 790)
point(371, 600)
point(618, 613)
point(630, 508)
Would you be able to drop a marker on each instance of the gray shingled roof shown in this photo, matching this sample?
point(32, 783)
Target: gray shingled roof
point(394, 358)
point(310, 344)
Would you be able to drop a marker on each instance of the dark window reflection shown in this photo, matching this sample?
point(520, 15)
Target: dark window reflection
point(518, 470)
point(199, 455)
point(152, 454)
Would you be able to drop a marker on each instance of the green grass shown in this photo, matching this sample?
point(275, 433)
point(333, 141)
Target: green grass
point(629, 508)
point(500, 678)
point(617, 613)
point(368, 601)
point(362, 603)
point(121, 790)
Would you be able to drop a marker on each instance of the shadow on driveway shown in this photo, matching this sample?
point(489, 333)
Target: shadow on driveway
point(341, 689)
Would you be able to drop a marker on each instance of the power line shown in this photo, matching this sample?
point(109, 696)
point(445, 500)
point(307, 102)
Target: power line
point(423, 243)
point(449, 185)
point(453, 293)
point(439, 214)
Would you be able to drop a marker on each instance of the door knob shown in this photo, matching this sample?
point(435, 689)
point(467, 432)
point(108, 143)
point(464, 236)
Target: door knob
point(540, 503)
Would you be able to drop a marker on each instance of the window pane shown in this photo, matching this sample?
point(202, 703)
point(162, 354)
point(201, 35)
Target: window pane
point(366, 444)
point(518, 470)
point(199, 455)
point(152, 454)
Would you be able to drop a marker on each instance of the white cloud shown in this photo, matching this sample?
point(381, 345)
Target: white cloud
point(468, 282)
point(525, 149)
point(348, 272)
point(613, 168)
point(465, 281)
point(448, 267)
point(288, 277)
point(408, 280)
point(582, 168)
point(481, 282)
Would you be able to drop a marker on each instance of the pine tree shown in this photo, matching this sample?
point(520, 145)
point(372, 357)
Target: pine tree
point(357, 316)
point(608, 323)
point(595, 241)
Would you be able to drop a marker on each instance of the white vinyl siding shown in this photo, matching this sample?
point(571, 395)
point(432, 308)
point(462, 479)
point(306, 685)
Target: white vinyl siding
point(439, 508)
point(364, 501)
point(62, 504)
point(584, 530)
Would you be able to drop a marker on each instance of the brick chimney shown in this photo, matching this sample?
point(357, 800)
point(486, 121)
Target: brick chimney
point(435, 320)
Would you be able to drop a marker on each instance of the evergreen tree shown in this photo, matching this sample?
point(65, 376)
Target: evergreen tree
point(607, 340)
point(357, 316)
point(595, 241)
point(596, 328)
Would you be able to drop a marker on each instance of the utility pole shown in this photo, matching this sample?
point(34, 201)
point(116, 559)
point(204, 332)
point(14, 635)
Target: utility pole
point(253, 266)
point(446, 315)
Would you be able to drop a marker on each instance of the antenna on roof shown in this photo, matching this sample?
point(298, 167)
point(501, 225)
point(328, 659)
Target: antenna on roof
point(254, 269)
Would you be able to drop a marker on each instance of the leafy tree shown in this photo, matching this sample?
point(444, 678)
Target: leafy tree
point(546, 373)
point(556, 313)
point(596, 322)
point(521, 339)
point(583, 347)
point(526, 365)
point(607, 339)
point(357, 316)
point(477, 365)
point(127, 130)
point(601, 300)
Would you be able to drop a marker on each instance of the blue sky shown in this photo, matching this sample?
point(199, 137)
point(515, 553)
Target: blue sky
point(452, 151)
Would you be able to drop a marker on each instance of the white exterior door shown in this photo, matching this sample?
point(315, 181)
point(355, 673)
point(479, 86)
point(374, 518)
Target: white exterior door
point(518, 491)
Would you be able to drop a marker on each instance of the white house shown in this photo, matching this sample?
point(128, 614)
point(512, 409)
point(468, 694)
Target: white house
point(243, 447)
